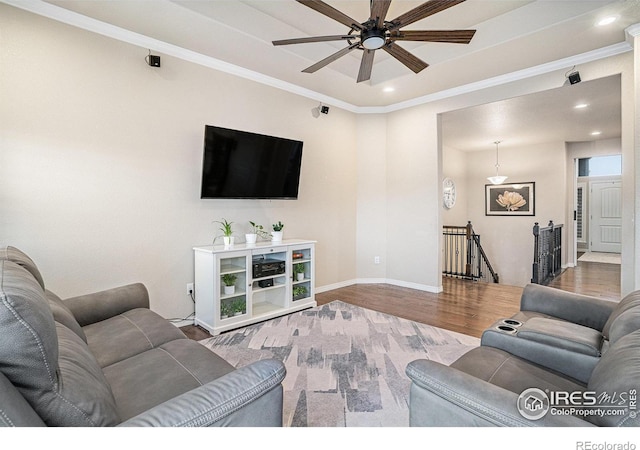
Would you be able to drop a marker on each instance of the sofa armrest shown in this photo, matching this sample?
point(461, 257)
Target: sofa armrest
point(584, 310)
point(250, 396)
point(444, 396)
point(92, 308)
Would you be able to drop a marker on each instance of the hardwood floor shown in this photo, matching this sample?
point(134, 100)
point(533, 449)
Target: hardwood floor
point(464, 306)
point(590, 278)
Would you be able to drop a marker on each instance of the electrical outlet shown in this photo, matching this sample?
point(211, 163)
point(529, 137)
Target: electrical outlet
point(189, 288)
point(376, 260)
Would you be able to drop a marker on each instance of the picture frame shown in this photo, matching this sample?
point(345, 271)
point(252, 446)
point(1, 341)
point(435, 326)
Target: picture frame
point(507, 199)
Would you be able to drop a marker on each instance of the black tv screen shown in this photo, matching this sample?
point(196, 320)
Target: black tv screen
point(239, 164)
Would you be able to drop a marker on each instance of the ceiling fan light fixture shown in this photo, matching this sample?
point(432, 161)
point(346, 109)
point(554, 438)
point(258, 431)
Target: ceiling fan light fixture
point(373, 39)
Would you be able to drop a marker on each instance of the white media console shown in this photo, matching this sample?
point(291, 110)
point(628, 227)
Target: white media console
point(265, 284)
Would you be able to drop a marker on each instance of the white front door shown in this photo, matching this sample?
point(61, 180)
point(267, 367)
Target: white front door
point(606, 216)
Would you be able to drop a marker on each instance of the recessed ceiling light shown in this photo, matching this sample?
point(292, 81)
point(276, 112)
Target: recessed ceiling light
point(389, 89)
point(606, 21)
point(596, 133)
point(581, 105)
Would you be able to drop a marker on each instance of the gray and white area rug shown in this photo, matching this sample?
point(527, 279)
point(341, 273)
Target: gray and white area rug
point(345, 364)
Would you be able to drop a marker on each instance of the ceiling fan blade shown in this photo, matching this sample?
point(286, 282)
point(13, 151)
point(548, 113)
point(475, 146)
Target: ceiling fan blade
point(379, 10)
point(330, 11)
point(314, 39)
point(366, 65)
point(451, 36)
point(420, 12)
point(330, 59)
point(412, 62)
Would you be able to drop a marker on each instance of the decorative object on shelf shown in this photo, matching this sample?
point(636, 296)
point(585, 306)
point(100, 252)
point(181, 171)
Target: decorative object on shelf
point(238, 307)
point(448, 193)
point(229, 280)
point(297, 255)
point(517, 199)
point(299, 292)
point(276, 234)
point(257, 230)
point(298, 269)
point(227, 231)
point(225, 310)
point(497, 179)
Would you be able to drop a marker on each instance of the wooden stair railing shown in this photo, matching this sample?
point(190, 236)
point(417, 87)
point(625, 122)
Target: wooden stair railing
point(464, 256)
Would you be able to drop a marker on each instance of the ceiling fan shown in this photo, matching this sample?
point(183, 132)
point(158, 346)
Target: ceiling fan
point(378, 33)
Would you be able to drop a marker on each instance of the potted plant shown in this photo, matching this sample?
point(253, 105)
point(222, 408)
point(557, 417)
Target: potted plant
point(256, 230)
point(238, 307)
point(298, 269)
point(229, 280)
point(299, 292)
point(277, 231)
point(225, 310)
point(227, 231)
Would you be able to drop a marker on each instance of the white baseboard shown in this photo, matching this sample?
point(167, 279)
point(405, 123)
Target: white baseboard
point(400, 283)
point(183, 323)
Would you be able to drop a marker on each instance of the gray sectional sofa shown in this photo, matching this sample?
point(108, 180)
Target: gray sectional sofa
point(574, 358)
point(106, 359)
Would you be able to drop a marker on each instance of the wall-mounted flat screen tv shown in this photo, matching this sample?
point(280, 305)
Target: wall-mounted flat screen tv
point(238, 164)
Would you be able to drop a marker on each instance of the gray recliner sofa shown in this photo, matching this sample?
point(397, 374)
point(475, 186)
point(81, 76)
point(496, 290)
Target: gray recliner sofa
point(561, 345)
point(106, 359)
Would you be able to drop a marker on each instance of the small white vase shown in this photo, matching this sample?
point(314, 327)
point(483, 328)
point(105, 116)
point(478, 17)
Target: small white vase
point(251, 238)
point(228, 240)
point(228, 290)
point(276, 236)
point(300, 276)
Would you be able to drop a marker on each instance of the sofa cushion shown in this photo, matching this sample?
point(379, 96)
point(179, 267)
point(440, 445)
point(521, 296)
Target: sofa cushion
point(624, 323)
point(63, 315)
point(48, 363)
point(616, 375)
point(510, 372)
point(19, 257)
point(562, 335)
point(631, 301)
point(155, 376)
point(129, 334)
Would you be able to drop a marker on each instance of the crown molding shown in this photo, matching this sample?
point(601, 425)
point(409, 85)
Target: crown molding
point(63, 15)
point(633, 30)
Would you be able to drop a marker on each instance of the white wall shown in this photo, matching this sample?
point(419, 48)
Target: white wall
point(101, 160)
point(371, 235)
point(508, 241)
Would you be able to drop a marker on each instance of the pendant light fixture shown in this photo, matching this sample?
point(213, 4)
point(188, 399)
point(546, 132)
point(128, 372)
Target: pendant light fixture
point(497, 179)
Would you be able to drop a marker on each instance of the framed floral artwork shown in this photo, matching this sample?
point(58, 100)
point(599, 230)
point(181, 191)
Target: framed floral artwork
point(515, 199)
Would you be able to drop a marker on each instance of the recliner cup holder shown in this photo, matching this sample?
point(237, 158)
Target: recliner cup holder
point(512, 323)
point(506, 329)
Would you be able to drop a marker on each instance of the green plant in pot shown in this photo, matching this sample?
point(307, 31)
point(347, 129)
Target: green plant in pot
point(225, 310)
point(227, 231)
point(238, 307)
point(256, 231)
point(229, 280)
point(298, 269)
point(299, 292)
point(276, 234)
